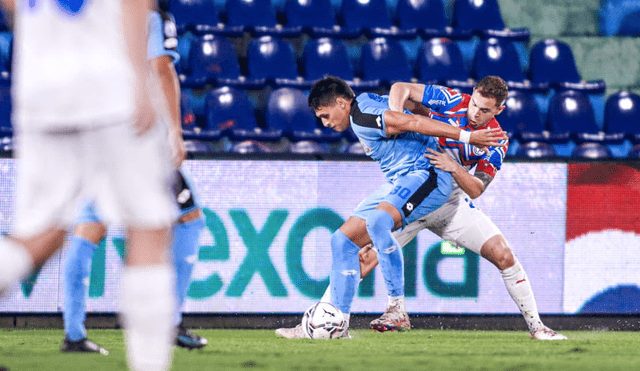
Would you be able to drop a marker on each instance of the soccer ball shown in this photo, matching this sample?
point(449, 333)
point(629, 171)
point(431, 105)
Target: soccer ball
point(323, 321)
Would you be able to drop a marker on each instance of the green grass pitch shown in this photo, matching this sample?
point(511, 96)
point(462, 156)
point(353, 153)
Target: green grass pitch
point(25, 350)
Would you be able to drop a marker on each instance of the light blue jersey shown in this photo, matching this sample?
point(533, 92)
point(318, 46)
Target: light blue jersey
point(162, 37)
point(398, 154)
point(415, 187)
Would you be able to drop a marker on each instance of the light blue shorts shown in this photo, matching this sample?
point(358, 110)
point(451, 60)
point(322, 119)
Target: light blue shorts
point(415, 194)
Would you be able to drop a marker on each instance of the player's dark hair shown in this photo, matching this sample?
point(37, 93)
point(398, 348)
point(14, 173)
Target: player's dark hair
point(493, 87)
point(324, 92)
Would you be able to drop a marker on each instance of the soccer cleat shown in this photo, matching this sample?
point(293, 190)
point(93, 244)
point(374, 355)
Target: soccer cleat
point(291, 332)
point(393, 319)
point(189, 340)
point(82, 346)
point(545, 333)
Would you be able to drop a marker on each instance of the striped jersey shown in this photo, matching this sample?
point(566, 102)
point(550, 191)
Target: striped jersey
point(398, 154)
point(450, 107)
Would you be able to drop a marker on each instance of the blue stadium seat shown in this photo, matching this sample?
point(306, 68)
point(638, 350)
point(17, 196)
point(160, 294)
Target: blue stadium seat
point(6, 128)
point(312, 16)
point(6, 144)
point(484, 18)
point(630, 24)
point(571, 116)
point(326, 56)
point(250, 146)
point(384, 60)
point(473, 15)
point(3, 22)
point(497, 57)
point(369, 17)
point(6, 50)
point(190, 124)
point(230, 113)
point(635, 152)
point(622, 115)
point(550, 62)
point(212, 59)
point(591, 151)
point(257, 16)
point(439, 60)
point(428, 18)
point(271, 60)
point(355, 149)
point(196, 146)
point(536, 150)
point(199, 16)
point(288, 110)
point(250, 14)
point(308, 147)
point(521, 117)
point(462, 86)
point(620, 17)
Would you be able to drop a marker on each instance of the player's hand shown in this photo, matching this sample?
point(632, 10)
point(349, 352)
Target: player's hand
point(368, 260)
point(488, 138)
point(178, 148)
point(442, 160)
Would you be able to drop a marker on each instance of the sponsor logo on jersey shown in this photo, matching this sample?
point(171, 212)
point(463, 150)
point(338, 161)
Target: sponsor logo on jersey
point(437, 102)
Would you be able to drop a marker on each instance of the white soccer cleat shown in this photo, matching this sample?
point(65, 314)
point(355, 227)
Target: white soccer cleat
point(393, 319)
point(291, 332)
point(545, 333)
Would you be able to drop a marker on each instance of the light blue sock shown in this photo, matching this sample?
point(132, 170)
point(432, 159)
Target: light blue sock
point(345, 271)
point(76, 286)
point(379, 225)
point(186, 238)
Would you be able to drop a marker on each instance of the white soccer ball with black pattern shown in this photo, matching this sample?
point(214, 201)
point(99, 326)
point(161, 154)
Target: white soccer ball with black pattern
point(323, 321)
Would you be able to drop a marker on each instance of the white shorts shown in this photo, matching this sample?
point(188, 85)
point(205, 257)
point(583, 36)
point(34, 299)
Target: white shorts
point(457, 221)
point(128, 176)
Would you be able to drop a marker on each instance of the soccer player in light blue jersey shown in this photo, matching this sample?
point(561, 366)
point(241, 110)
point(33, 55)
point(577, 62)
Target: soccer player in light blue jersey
point(414, 187)
point(90, 228)
point(458, 220)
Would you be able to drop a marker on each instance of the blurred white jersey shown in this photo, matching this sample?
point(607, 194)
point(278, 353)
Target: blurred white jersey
point(71, 68)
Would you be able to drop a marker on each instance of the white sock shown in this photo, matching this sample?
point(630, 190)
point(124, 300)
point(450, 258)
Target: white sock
point(15, 263)
point(397, 301)
point(347, 316)
point(148, 302)
point(519, 287)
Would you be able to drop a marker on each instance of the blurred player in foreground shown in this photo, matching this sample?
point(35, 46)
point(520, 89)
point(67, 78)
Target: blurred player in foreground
point(85, 117)
point(458, 220)
point(90, 229)
point(398, 141)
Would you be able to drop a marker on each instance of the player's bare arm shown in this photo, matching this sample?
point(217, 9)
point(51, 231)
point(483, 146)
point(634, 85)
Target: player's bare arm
point(134, 22)
point(398, 123)
point(473, 185)
point(170, 85)
point(405, 95)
